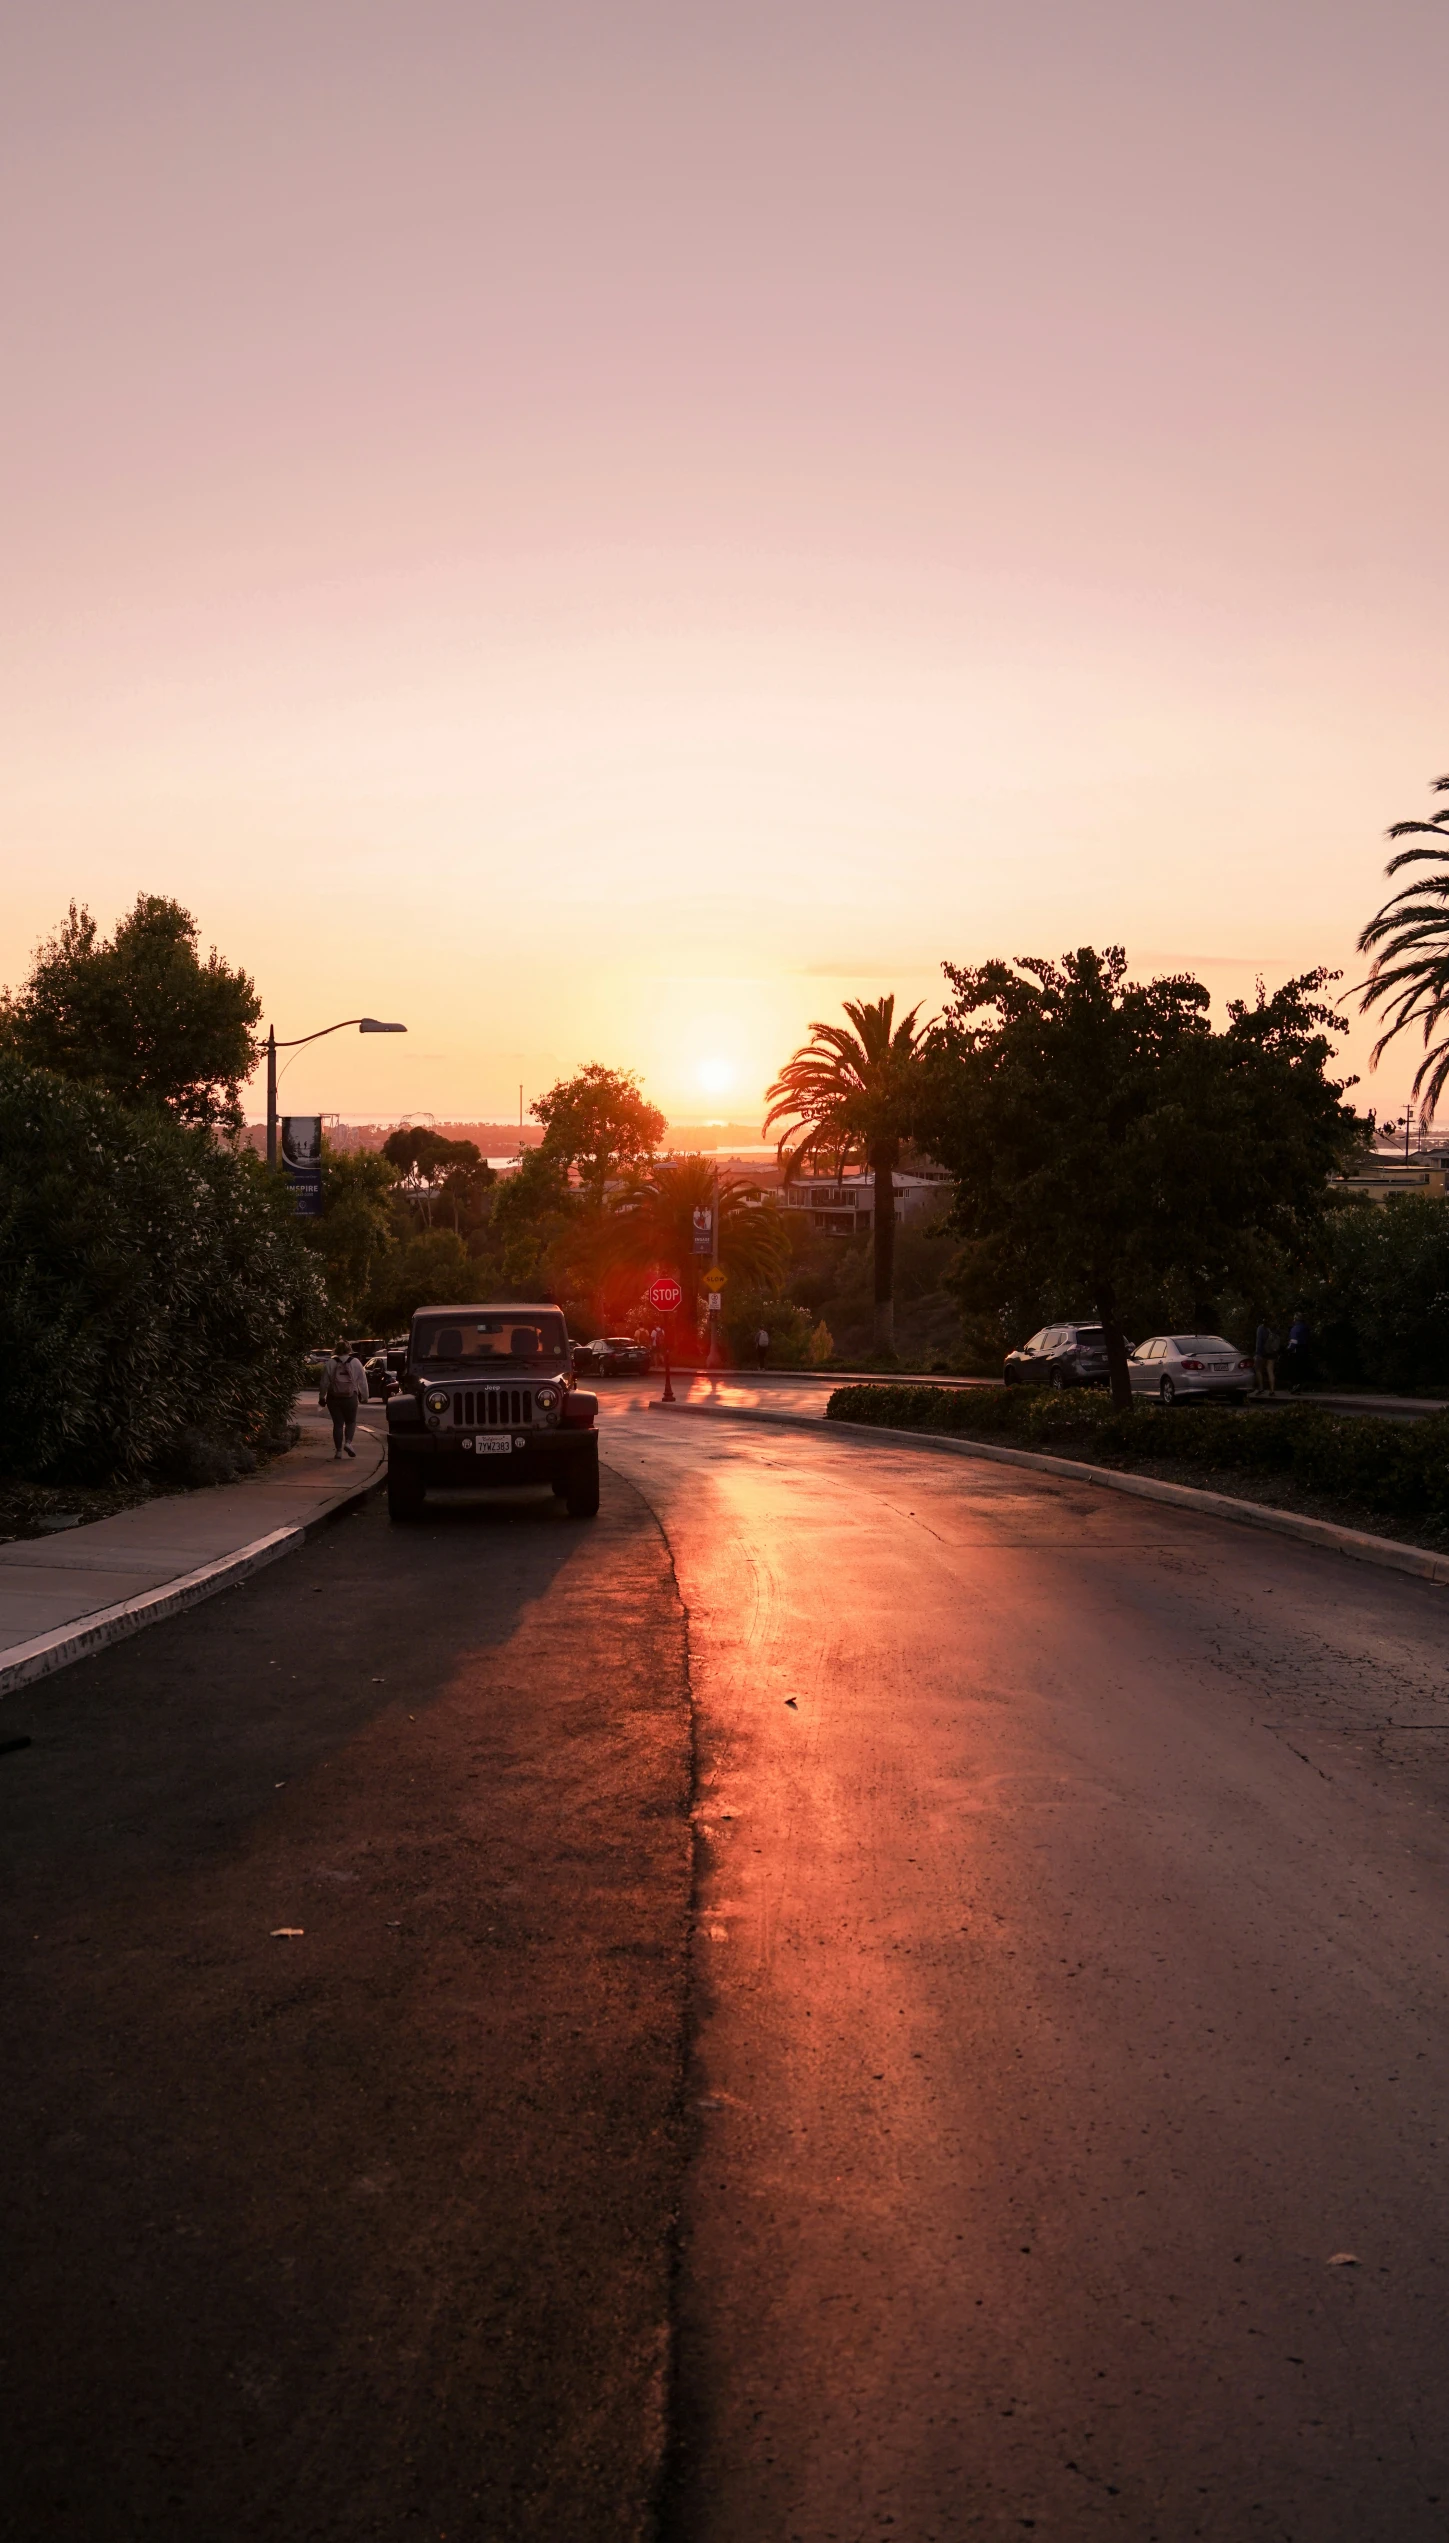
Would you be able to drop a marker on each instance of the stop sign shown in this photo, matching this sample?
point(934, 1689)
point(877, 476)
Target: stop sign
point(664, 1295)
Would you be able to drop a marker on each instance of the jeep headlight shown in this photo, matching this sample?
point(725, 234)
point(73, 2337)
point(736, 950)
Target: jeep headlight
point(546, 1399)
point(437, 1401)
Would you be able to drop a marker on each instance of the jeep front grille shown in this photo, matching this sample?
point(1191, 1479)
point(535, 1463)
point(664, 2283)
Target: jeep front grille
point(493, 1408)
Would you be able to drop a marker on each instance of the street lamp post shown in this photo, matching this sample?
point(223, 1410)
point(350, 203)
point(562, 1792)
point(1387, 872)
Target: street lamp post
point(364, 1024)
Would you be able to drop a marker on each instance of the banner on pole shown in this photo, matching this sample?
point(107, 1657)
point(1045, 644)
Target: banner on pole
point(302, 1161)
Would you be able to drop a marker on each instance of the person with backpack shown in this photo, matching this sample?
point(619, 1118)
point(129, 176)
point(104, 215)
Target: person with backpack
point(1266, 1347)
point(344, 1387)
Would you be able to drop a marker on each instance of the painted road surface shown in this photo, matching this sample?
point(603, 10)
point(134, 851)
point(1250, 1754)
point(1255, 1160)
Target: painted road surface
point(1071, 1965)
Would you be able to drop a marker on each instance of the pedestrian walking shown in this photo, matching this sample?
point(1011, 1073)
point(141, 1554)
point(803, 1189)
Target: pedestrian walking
point(1266, 1347)
point(1295, 1361)
point(344, 1387)
point(762, 1345)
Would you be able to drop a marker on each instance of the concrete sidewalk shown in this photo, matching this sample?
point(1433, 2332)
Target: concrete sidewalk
point(66, 1595)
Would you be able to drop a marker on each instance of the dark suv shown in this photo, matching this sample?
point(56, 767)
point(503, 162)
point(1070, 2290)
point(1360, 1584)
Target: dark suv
point(488, 1397)
point(1060, 1355)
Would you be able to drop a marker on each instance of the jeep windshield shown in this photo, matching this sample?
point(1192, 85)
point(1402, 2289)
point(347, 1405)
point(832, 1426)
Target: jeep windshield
point(462, 1341)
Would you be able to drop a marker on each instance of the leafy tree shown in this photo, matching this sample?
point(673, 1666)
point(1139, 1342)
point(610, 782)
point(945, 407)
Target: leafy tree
point(433, 1269)
point(1409, 941)
point(1378, 1303)
point(467, 1182)
point(139, 1014)
point(1105, 1139)
point(430, 1167)
point(357, 1236)
point(853, 1093)
point(532, 1219)
point(601, 1124)
point(156, 1294)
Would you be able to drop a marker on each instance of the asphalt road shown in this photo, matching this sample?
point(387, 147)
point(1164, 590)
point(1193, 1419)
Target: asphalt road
point(361, 2231)
point(1060, 1996)
point(1072, 1951)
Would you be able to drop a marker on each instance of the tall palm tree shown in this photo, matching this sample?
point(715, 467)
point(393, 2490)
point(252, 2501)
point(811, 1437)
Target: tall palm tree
point(851, 1092)
point(1409, 941)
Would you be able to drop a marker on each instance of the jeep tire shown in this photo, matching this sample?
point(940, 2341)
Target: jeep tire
point(404, 1493)
point(581, 1499)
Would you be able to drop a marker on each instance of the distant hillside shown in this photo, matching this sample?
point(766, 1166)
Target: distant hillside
point(502, 1138)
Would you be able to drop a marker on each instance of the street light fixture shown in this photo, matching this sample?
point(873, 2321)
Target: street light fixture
point(364, 1024)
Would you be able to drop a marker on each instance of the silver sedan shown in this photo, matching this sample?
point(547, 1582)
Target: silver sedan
point(1178, 1364)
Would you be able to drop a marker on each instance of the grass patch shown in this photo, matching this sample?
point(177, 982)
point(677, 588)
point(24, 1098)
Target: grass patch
point(1371, 1473)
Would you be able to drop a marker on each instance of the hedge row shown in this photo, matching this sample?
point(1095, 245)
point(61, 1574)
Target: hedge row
point(1395, 1470)
point(155, 1295)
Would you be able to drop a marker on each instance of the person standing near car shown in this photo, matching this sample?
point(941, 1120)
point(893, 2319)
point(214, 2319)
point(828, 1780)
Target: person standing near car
point(1295, 1365)
point(1266, 1347)
point(344, 1387)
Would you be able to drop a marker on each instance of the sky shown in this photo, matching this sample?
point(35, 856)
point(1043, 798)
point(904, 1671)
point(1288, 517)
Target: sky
point(600, 532)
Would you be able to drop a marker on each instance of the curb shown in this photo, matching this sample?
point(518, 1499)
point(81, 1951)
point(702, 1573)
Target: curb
point(24, 1662)
point(1358, 1546)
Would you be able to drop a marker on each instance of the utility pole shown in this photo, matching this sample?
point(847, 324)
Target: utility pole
point(716, 1356)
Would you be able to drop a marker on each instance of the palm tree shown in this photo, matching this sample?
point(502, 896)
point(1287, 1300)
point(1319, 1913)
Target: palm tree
point(650, 1227)
point(851, 1093)
point(1409, 941)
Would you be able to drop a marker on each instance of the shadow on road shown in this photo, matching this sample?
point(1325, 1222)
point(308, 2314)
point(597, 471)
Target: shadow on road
point(356, 2228)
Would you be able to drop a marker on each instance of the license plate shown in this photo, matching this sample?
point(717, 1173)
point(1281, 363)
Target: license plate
point(493, 1447)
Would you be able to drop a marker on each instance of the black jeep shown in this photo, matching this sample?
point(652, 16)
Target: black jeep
point(488, 1397)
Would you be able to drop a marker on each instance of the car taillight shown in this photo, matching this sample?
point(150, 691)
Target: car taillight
point(1193, 1364)
point(1245, 1364)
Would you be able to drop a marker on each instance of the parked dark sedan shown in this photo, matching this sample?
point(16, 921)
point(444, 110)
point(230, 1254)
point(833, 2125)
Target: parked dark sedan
point(1060, 1355)
point(614, 1355)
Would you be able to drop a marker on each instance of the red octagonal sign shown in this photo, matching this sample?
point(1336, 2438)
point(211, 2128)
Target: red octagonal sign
point(664, 1295)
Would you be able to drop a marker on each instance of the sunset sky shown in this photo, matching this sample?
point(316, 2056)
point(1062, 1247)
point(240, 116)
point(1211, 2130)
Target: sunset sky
point(599, 531)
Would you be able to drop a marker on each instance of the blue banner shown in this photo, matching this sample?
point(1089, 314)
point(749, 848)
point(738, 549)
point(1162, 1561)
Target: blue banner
point(302, 1161)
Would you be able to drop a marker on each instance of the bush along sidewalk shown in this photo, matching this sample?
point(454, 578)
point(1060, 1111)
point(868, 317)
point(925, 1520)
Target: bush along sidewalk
point(156, 1295)
point(1396, 1474)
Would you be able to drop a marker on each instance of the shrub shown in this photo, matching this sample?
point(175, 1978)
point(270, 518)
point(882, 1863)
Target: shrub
point(1395, 1470)
point(788, 1326)
point(1380, 1311)
point(156, 1296)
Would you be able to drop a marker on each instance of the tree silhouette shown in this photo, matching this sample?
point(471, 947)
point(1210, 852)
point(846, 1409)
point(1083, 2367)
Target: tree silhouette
point(139, 1014)
point(851, 1093)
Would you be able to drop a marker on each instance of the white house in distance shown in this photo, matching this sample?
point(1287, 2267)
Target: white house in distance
point(837, 1205)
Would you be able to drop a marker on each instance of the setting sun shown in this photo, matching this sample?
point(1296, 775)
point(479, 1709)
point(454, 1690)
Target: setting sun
point(715, 1076)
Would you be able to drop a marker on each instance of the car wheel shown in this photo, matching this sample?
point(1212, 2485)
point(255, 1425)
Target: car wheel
point(582, 1497)
point(1060, 1381)
point(404, 1495)
point(1167, 1391)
